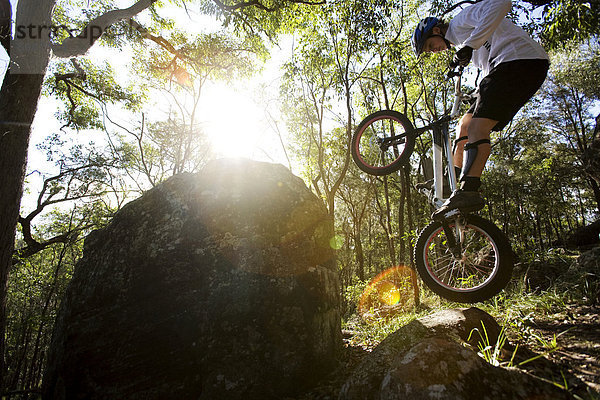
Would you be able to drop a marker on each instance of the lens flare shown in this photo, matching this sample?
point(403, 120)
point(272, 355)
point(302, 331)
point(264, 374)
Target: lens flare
point(336, 242)
point(182, 77)
point(389, 292)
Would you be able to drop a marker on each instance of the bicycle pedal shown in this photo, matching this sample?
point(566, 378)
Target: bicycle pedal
point(452, 213)
point(447, 215)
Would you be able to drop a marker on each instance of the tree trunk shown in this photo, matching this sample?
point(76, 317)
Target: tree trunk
point(409, 213)
point(596, 191)
point(31, 379)
point(360, 256)
point(401, 228)
point(18, 102)
point(388, 222)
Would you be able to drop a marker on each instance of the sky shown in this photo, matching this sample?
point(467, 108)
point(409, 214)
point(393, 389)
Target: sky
point(232, 117)
point(248, 124)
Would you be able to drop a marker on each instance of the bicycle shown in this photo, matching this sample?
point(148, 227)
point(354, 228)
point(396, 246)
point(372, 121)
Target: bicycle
point(460, 256)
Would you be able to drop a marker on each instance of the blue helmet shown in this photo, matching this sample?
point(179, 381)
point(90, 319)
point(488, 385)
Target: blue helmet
point(422, 33)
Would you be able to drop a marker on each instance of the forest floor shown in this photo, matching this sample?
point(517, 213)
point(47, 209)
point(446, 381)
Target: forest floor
point(570, 344)
point(551, 319)
point(565, 347)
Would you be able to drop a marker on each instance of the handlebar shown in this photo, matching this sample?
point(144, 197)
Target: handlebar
point(453, 72)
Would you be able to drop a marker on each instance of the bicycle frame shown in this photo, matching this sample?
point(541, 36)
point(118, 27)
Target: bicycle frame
point(442, 144)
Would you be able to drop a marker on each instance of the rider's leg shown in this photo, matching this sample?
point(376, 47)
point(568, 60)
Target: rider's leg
point(499, 97)
point(461, 140)
point(479, 130)
point(476, 152)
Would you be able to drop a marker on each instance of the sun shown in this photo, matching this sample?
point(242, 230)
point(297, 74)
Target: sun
point(235, 125)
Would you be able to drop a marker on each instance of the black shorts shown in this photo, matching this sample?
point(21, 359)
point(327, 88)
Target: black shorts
point(507, 88)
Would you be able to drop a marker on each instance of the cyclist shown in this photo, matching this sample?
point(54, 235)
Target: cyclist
point(514, 67)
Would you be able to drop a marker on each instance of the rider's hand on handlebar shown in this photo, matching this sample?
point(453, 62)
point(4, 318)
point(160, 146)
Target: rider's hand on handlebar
point(452, 71)
point(463, 56)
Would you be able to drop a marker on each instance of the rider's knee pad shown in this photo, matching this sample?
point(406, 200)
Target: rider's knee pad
point(457, 141)
point(470, 154)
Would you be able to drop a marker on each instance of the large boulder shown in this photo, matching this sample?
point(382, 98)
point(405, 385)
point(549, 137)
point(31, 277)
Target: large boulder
point(587, 269)
point(435, 358)
point(220, 285)
point(440, 369)
point(584, 236)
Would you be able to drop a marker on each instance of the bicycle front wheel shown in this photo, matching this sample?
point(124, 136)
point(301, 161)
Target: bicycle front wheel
point(481, 270)
point(380, 144)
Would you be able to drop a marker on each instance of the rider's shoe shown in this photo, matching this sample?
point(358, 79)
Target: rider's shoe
point(462, 200)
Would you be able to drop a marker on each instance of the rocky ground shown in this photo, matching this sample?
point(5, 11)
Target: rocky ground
point(562, 348)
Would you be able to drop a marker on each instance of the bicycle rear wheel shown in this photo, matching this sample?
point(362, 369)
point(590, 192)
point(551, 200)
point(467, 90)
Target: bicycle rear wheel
point(380, 145)
point(481, 270)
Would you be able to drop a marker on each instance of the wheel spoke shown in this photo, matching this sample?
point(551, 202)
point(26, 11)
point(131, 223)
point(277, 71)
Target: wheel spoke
point(475, 266)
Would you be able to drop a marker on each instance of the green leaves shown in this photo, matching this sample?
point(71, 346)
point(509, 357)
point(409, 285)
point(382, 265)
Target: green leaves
point(578, 65)
point(561, 21)
point(85, 89)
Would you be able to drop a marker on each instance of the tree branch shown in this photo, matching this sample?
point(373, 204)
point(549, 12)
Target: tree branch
point(78, 45)
point(258, 4)
point(242, 4)
point(538, 2)
point(78, 73)
point(162, 42)
point(34, 246)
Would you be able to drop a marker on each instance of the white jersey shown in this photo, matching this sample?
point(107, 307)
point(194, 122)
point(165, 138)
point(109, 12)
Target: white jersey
point(494, 38)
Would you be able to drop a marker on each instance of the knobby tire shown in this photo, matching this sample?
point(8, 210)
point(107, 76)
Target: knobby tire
point(367, 151)
point(482, 271)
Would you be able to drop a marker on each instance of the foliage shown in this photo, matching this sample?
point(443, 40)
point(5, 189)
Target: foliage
point(565, 20)
point(578, 66)
point(490, 352)
point(36, 287)
point(86, 89)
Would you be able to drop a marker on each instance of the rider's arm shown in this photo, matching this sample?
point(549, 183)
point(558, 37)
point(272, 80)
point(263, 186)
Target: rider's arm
point(485, 17)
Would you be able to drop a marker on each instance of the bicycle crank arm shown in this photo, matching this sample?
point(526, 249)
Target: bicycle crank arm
point(393, 140)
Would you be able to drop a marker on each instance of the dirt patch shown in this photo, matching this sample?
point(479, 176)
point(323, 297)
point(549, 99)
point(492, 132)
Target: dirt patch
point(569, 343)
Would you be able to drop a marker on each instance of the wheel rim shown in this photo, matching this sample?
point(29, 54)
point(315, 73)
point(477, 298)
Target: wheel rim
point(368, 147)
point(476, 267)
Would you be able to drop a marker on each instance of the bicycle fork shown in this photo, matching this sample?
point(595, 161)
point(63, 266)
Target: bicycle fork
point(441, 145)
point(451, 237)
